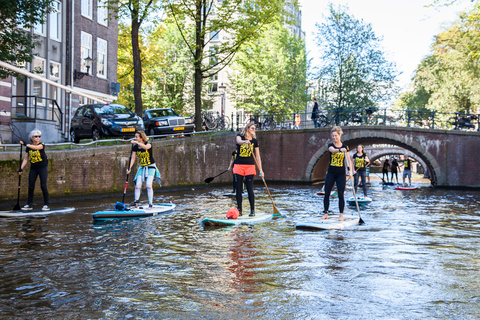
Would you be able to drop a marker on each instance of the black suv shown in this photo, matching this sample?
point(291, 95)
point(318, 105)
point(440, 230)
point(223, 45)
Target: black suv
point(95, 120)
point(165, 121)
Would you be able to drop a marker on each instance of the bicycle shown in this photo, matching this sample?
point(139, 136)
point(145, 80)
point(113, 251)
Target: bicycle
point(222, 122)
point(208, 121)
point(462, 122)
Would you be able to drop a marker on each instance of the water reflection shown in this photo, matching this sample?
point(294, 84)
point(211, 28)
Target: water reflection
point(416, 257)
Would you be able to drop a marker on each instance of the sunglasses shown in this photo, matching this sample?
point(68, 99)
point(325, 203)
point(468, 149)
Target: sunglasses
point(37, 136)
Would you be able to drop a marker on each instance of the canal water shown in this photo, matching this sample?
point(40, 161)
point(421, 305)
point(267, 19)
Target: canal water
point(416, 257)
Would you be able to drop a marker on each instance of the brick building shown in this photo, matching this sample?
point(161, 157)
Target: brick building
point(78, 49)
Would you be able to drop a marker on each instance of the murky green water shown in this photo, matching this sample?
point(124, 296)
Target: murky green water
point(417, 257)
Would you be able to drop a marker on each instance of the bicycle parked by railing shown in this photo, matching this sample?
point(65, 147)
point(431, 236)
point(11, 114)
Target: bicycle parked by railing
point(462, 122)
point(268, 122)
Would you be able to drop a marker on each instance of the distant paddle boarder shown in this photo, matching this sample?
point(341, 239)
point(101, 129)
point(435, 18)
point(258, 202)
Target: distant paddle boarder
point(394, 169)
point(244, 165)
point(38, 168)
point(407, 170)
point(147, 171)
point(361, 161)
point(336, 171)
point(385, 167)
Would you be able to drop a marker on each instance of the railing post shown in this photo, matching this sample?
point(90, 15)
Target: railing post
point(408, 118)
point(433, 120)
point(385, 116)
point(35, 108)
point(238, 118)
point(232, 122)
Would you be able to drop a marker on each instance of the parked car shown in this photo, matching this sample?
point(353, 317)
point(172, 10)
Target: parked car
point(96, 120)
point(165, 121)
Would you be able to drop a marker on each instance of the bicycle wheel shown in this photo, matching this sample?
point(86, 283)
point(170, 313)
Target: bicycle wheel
point(210, 123)
point(452, 123)
point(269, 124)
point(323, 121)
point(224, 123)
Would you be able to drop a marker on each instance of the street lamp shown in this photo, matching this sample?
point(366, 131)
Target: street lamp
point(223, 87)
point(77, 75)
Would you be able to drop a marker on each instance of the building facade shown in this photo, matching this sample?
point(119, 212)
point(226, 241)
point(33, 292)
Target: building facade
point(78, 49)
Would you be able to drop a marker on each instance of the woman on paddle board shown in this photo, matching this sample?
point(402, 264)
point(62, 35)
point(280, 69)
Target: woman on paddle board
point(147, 171)
point(386, 166)
point(244, 165)
point(361, 162)
point(336, 171)
point(394, 169)
point(38, 168)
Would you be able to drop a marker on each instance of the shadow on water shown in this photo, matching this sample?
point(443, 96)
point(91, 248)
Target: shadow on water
point(416, 257)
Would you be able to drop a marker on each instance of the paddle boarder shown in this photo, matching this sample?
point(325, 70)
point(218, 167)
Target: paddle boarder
point(147, 171)
point(244, 165)
point(407, 170)
point(385, 167)
point(38, 168)
point(394, 169)
point(361, 162)
point(336, 171)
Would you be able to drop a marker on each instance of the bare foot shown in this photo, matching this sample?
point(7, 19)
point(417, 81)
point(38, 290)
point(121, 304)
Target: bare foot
point(325, 216)
point(341, 217)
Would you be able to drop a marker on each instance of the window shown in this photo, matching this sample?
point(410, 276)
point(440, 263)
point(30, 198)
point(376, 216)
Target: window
point(40, 28)
point(102, 13)
point(101, 58)
point(38, 88)
point(56, 21)
point(213, 88)
point(86, 9)
point(214, 35)
point(85, 50)
point(54, 76)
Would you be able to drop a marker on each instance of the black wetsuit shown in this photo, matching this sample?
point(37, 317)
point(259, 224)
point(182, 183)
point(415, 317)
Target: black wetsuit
point(335, 174)
point(360, 163)
point(38, 168)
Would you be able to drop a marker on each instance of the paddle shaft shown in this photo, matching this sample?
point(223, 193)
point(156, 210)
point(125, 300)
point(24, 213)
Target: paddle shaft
point(126, 180)
point(17, 206)
point(275, 210)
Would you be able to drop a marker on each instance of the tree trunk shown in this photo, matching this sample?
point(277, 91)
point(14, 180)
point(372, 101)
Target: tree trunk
point(199, 41)
point(137, 67)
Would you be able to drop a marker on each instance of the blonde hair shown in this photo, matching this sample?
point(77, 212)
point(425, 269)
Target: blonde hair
point(142, 134)
point(337, 129)
point(34, 132)
point(245, 129)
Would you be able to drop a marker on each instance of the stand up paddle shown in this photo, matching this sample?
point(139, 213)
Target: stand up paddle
point(275, 210)
point(208, 180)
point(120, 206)
point(17, 206)
point(360, 221)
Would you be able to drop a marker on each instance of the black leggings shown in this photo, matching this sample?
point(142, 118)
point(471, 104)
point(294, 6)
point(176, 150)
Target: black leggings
point(239, 187)
point(32, 178)
point(384, 173)
point(360, 173)
point(396, 175)
point(335, 175)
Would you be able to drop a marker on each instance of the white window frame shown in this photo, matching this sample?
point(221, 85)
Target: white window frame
point(40, 102)
point(56, 15)
point(85, 50)
point(87, 8)
point(40, 29)
point(104, 54)
point(102, 13)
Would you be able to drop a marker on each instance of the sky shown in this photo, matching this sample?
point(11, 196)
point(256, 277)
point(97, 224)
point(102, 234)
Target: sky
point(407, 26)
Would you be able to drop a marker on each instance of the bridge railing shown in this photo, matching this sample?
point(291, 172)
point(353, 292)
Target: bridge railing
point(369, 116)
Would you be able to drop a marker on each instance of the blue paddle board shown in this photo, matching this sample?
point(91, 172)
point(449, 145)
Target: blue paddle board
point(221, 219)
point(140, 212)
point(360, 200)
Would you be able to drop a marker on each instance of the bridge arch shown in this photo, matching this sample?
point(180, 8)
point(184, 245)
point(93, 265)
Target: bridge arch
point(318, 162)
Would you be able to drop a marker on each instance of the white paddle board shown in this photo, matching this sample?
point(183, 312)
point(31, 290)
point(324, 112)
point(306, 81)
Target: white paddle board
point(34, 212)
point(221, 219)
point(328, 224)
point(140, 212)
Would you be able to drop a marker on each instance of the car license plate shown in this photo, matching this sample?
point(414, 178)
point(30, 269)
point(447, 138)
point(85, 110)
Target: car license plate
point(178, 128)
point(128, 130)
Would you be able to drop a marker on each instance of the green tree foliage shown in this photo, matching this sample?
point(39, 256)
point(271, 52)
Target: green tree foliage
point(202, 21)
point(450, 74)
point(354, 71)
point(136, 12)
point(273, 82)
point(17, 17)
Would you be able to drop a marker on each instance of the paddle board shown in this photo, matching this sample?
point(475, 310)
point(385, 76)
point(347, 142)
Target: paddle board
point(406, 188)
point(140, 212)
point(322, 193)
point(221, 220)
point(388, 183)
point(34, 212)
point(328, 224)
point(231, 194)
point(360, 200)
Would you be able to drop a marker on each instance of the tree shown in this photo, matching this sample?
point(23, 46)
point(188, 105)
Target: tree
point(273, 82)
point(202, 21)
point(17, 17)
point(354, 70)
point(137, 12)
point(450, 74)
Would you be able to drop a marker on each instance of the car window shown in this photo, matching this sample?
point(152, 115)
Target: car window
point(112, 109)
point(79, 112)
point(87, 112)
point(162, 113)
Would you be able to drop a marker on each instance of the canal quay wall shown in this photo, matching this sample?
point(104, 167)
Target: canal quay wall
point(287, 155)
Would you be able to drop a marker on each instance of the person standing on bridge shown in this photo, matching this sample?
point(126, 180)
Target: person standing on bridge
point(38, 168)
point(336, 171)
point(361, 161)
point(244, 165)
point(315, 112)
point(147, 171)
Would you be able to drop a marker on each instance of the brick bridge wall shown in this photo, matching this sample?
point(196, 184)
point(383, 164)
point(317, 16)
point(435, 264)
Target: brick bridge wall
point(289, 155)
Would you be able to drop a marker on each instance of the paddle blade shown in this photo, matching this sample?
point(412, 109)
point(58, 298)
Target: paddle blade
point(361, 221)
point(275, 210)
point(17, 207)
point(208, 180)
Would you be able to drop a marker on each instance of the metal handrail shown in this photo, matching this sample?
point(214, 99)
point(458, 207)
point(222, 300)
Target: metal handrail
point(35, 106)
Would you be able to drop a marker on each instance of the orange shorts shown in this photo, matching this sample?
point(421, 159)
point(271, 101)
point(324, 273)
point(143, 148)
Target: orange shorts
point(244, 169)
